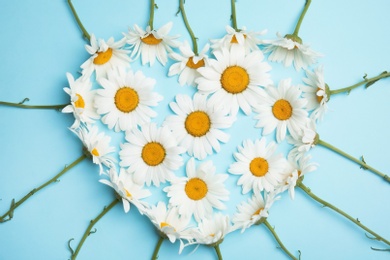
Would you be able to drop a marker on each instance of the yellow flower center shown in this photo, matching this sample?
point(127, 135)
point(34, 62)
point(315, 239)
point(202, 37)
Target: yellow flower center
point(128, 194)
point(257, 212)
point(153, 153)
point(126, 99)
point(234, 79)
point(197, 123)
point(319, 98)
point(234, 39)
point(151, 40)
point(196, 189)
point(95, 152)
point(282, 109)
point(103, 57)
point(192, 65)
point(258, 167)
point(79, 102)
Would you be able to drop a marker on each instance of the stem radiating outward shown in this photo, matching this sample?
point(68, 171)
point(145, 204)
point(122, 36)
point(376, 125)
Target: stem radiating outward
point(157, 248)
point(193, 38)
point(80, 24)
point(89, 228)
point(298, 26)
point(363, 164)
point(327, 204)
point(9, 214)
point(151, 14)
point(218, 251)
point(22, 105)
point(234, 18)
point(270, 228)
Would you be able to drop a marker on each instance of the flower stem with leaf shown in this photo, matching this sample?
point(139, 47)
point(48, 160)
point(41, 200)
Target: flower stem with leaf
point(89, 231)
point(157, 248)
point(22, 105)
point(80, 24)
point(272, 230)
point(356, 221)
point(10, 213)
point(193, 38)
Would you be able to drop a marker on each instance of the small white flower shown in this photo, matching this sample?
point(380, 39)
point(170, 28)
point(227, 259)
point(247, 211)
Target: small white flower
point(214, 229)
point(105, 56)
point(306, 140)
point(197, 125)
point(151, 43)
point(199, 192)
point(283, 109)
point(260, 168)
point(188, 64)
point(81, 101)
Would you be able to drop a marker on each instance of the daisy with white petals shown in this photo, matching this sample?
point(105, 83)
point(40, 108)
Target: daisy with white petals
point(188, 64)
point(306, 140)
point(212, 230)
point(152, 154)
point(234, 79)
point(105, 56)
point(151, 44)
point(283, 109)
point(126, 99)
point(260, 168)
point(199, 192)
point(197, 125)
point(81, 101)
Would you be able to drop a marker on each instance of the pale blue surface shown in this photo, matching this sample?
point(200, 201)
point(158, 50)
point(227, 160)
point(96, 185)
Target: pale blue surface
point(40, 42)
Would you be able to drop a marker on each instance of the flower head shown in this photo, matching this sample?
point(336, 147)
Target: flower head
point(212, 231)
point(306, 140)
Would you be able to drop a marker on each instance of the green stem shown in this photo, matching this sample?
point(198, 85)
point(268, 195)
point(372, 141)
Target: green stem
point(21, 105)
point(361, 163)
point(193, 38)
point(234, 19)
point(80, 24)
point(151, 15)
point(298, 26)
point(90, 226)
point(157, 248)
point(14, 205)
point(366, 81)
point(270, 228)
point(327, 204)
point(218, 251)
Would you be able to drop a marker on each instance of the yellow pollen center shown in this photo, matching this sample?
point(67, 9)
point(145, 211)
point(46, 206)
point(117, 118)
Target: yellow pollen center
point(103, 57)
point(79, 102)
point(319, 98)
point(258, 212)
point(196, 189)
point(234, 79)
point(192, 65)
point(153, 153)
point(197, 123)
point(126, 99)
point(128, 194)
point(234, 39)
point(151, 40)
point(282, 109)
point(258, 167)
point(95, 152)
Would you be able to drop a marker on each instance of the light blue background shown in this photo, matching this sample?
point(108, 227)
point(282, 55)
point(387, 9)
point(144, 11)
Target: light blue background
point(40, 41)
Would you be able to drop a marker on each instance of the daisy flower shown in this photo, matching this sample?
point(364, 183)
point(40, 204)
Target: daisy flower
point(197, 125)
point(254, 211)
point(127, 189)
point(126, 99)
point(260, 168)
point(290, 49)
point(152, 154)
point(242, 38)
point(306, 140)
point(212, 231)
point(283, 109)
point(234, 79)
point(105, 56)
point(97, 144)
point(188, 64)
point(151, 43)
point(81, 101)
point(199, 192)
point(316, 92)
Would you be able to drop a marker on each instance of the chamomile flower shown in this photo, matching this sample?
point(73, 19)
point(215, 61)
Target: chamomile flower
point(242, 38)
point(283, 109)
point(127, 189)
point(212, 231)
point(97, 144)
point(126, 99)
point(234, 79)
point(81, 101)
point(199, 192)
point(197, 125)
point(289, 50)
point(260, 168)
point(316, 92)
point(188, 64)
point(254, 211)
point(306, 140)
point(152, 154)
point(105, 56)
point(151, 44)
